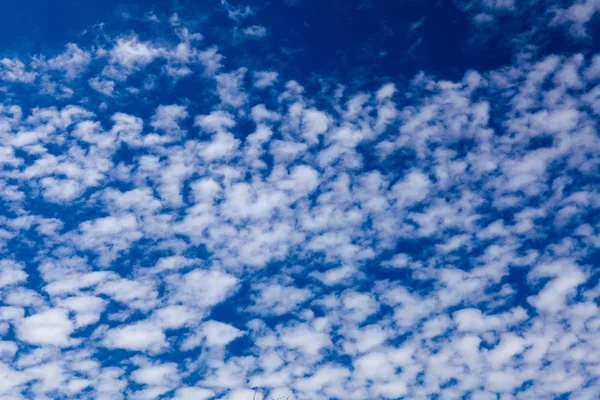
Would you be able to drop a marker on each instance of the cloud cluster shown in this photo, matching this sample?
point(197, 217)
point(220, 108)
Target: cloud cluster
point(256, 238)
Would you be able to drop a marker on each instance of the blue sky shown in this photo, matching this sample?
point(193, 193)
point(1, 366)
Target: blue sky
point(298, 200)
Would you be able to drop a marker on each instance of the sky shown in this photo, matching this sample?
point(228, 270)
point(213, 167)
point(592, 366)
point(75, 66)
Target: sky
point(300, 200)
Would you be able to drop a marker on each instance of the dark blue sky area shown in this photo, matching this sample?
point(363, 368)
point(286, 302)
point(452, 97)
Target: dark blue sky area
point(349, 40)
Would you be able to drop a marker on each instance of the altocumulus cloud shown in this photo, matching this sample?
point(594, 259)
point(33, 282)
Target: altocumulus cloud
point(178, 224)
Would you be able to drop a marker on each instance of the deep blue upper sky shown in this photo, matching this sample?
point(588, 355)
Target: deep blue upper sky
point(349, 39)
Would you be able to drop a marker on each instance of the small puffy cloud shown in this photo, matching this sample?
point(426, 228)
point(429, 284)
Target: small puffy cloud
point(309, 340)
point(61, 190)
point(260, 113)
point(215, 122)
point(200, 288)
point(73, 61)
point(193, 393)
point(87, 309)
point(131, 53)
point(13, 70)
point(174, 317)
point(52, 327)
point(108, 236)
point(302, 180)
point(326, 375)
point(230, 88)
point(159, 375)
point(314, 123)
point(141, 336)
point(212, 334)
point(255, 31)
point(335, 276)
point(263, 79)
point(385, 92)
point(12, 273)
point(510, 345)
point(237, 13)
point(242, 394)
point(168, 118)
point(136, 294)
point(413, 188)
point(276, 299)
point(472, 319)
point(554, 295)
point(576, 16)
point(104, 86)
point(219, 334)
point(211, 59)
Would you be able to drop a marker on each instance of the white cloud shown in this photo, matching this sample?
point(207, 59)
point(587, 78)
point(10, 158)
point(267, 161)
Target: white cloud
point(52, 327)
point(108, 235)
point(174, 317)
point(237, 13)
point(554, 295)
point(215, 122)
point(193, 393)
point(230, 88)
point(159, 375)
point(201, 288)
point(12, 273)
point(87, 309)
point(211, 59)
point(104, 86)
point(13, 70)
point(73, 61)
point(314, 123)
point(168, 119)
point(309, 340)
point(386, 91)
point(141, 336)
point(255, 31)
point(263, 79)
point(275, 299)
point(576, 16)
point(131, 53)
point(212, 334)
